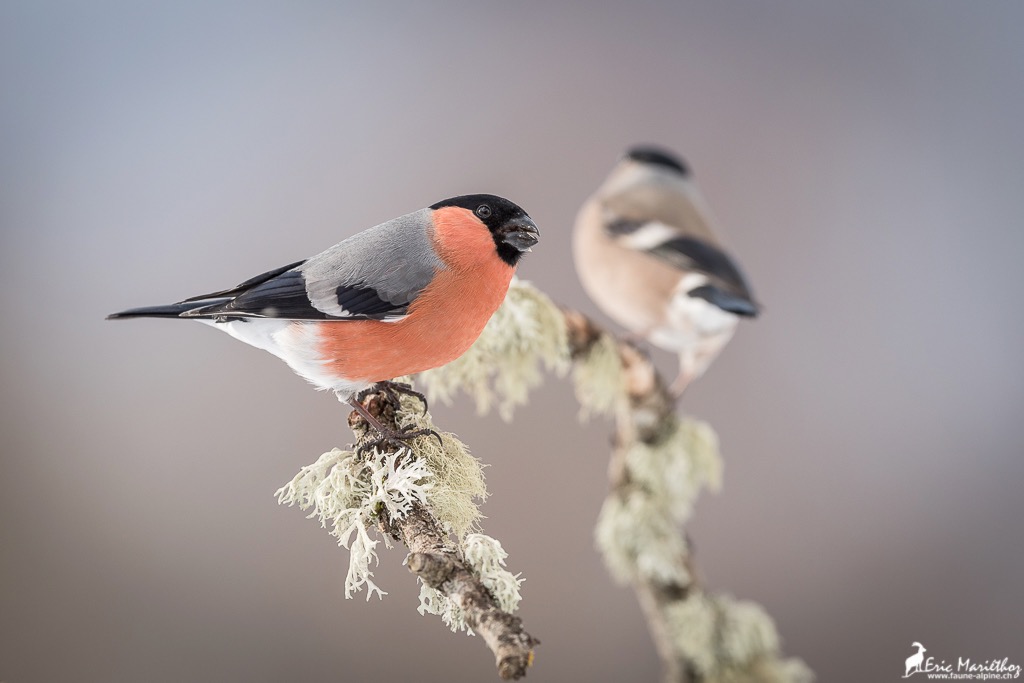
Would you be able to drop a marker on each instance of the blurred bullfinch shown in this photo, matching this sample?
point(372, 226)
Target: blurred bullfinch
point(401, 297)
point(645, 253)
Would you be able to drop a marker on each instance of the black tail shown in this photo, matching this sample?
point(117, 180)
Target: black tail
point(168, 311)
point(727, 301)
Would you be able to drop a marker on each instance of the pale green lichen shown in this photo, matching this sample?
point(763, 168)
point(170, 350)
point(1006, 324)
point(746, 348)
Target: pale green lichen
point(347, 492)
point(486, 558)
point(598, 378)
point(730, 641)
point(458, 476)
point(724, 640)
point(678, 466)
point(639, 540)
point(637, 531)
point(433, 601)
point(525, 335)
point(692, 623)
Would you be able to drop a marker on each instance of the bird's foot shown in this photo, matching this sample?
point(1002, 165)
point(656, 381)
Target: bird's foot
point(396, 437)
point(386, 435)
point(391, 389)
point(679, 386)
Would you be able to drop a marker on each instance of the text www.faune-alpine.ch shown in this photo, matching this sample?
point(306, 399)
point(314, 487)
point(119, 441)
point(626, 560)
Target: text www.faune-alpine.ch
point(965, 669)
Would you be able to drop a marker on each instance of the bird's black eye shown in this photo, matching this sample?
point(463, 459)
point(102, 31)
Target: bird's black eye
point(483, 211)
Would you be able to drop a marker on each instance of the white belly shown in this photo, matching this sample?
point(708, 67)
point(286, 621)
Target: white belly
point(691, 321)
point(297, 343)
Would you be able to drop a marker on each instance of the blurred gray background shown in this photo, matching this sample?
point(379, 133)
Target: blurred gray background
point(865, 159)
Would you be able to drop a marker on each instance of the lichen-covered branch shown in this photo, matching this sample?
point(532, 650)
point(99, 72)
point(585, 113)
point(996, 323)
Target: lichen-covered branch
point(640, 541)
point(424, 497)
point(435, 559)
point(659, 465)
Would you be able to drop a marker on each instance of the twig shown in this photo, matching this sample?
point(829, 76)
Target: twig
point(649, 406)
point(435, 559)
point(699, 637)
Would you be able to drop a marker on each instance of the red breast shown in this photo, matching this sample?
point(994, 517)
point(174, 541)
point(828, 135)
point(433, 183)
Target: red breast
point(444, 320)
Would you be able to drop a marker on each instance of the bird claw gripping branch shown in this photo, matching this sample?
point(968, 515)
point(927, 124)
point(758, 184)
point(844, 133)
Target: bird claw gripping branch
point(392, 389)
point(386, 435)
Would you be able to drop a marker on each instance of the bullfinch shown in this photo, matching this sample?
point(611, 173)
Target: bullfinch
point(399, 298)
point(645, 253)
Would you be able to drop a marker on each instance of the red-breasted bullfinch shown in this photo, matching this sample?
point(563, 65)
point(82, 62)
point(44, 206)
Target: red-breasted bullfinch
point(645, 253)
point(404, 296)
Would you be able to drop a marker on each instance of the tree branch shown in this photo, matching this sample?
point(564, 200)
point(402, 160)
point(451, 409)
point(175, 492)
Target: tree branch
point(435, 559)
point(691, 648)
point(649, 407)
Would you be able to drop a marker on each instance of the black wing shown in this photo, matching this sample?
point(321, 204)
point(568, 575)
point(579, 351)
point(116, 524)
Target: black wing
point(247, 285)
point(692, 254)
point(282, 293)
point(684, 253)
point(728, 289)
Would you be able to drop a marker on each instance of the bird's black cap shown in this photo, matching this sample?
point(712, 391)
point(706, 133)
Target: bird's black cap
point(648, 154)
point(514, 232)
